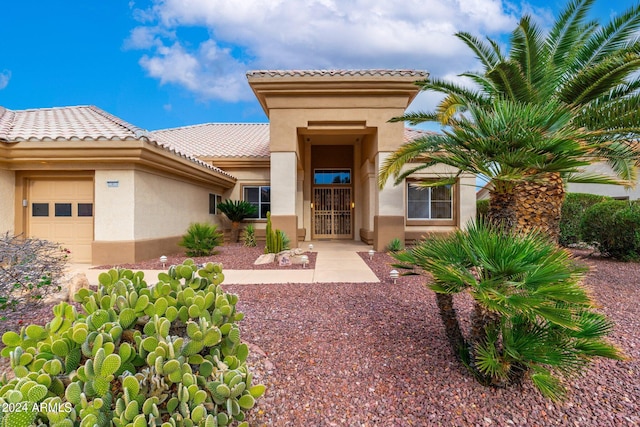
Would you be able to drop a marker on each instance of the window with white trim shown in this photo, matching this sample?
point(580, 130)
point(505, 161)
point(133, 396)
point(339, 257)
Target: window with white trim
point(214, 199)
point(430, 203)
point(259, 196)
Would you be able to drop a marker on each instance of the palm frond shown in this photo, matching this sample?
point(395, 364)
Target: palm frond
point(489, 55)
point(594, 178)
point(526, 48)
point(548, 384)
point(593, 348)
point(567, 30)
point(416, 117)
point(392, 165)
point(611, 38)
point(510, 82)
point(591, 83)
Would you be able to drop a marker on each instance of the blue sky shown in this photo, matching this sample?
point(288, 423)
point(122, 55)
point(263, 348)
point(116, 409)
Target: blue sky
point(167, 63)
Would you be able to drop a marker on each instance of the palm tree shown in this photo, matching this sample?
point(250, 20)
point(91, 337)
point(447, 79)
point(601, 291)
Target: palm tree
point(546, 325)
point(236, 211)
point(589, 69)
point(502, 143)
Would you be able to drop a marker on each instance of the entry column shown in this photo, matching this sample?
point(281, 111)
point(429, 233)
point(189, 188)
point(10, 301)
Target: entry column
point(388, 222)
point(283, 194)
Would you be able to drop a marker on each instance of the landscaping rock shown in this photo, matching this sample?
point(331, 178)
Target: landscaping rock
point(265, 259)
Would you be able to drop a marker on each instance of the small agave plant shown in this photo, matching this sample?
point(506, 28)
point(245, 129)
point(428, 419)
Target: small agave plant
point(163, 355)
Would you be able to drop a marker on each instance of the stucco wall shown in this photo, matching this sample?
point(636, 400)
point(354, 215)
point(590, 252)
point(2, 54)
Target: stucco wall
point(7, 196)
point(147, 206)
point(114, 211)
point(165, 207)
point(391, 197)
point(246, 176)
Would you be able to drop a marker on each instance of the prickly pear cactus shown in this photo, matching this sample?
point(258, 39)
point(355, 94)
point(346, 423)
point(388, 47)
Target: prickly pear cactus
point(163, 355)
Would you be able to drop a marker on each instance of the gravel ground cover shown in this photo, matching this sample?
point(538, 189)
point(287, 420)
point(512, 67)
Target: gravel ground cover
point(374, 354)
point(232, 256)
point(347, 354)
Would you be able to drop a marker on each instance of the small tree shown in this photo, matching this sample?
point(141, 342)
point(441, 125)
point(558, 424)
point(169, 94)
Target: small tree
point(236, 211)
point(30, 269)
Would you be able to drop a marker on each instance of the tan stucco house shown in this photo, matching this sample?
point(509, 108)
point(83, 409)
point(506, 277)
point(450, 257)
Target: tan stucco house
point(113, 193)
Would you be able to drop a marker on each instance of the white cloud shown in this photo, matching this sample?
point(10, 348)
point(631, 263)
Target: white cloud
point(308, 34)
point(211, 72)
point(5, 76)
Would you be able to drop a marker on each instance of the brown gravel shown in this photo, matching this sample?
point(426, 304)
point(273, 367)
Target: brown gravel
point(352, 354)
point(374, 354)
point(233, 256)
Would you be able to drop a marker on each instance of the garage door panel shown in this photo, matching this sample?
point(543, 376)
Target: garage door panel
point(66, 223)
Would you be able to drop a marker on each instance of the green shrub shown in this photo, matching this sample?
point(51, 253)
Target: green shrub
point(30, 269)
point(250, 236)
point(573, 208)
point(395, 245)
point(613, 227)
point(277, 240)
point(201, 239)
point(169, 354)
point(532, 318)
point(482, 209)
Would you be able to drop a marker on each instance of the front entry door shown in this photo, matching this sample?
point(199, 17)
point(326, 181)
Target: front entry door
point(332, 213)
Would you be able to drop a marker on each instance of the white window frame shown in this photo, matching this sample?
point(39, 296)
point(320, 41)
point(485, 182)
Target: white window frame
point(260, 202)
point(429, 220)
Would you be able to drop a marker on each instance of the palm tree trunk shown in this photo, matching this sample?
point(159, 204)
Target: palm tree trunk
point(539, 205)
point(452, 326)
point(235, 231)
point(502, 210)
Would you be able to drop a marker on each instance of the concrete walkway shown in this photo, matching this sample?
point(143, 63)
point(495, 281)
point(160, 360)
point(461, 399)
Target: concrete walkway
point(336, 262)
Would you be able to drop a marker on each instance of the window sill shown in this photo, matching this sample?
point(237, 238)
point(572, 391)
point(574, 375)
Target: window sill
point(432, 222)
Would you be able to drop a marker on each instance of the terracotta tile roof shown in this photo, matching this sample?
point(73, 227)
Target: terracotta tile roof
point(79, 123)
point(64, 123)
point(412, 133)
point(218, 139)
point(231, 140)
point(344, 73)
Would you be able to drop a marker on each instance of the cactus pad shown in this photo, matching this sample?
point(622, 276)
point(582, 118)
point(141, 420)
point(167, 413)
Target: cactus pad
point(170, 337)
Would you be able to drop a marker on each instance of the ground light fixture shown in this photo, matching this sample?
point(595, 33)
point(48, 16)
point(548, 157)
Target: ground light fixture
point(371, 253)
point(163, 260)
point(305, 260)
point(394, 276)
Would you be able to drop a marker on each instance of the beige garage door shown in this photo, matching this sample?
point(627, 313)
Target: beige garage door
point(61, 210)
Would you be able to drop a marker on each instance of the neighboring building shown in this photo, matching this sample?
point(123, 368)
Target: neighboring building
point(114, 193)
point(615, 191)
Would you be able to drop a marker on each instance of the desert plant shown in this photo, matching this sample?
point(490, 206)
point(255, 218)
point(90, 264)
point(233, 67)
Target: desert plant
point(168, 354)
point(277, 241)
point(395, 245)
point(30, 269)
point(614, 228)
point(532, 315)
point(236, 211)
point(250, 236)
point(573, 208)
point(201, 239)
point(553, 102)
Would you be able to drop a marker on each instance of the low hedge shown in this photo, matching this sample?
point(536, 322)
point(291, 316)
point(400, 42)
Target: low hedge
point(614, 228)
point(573, 208)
